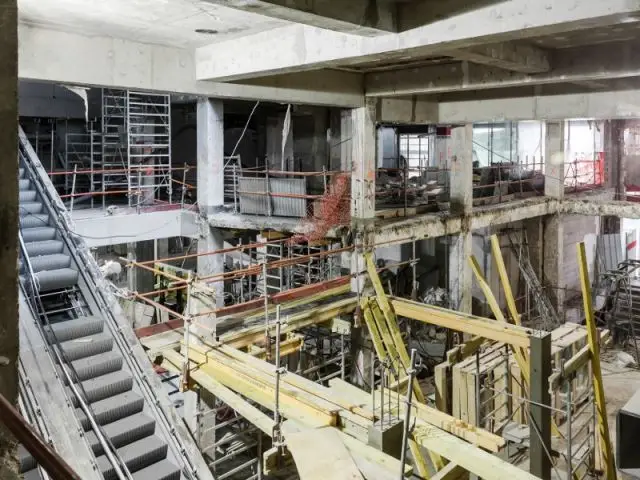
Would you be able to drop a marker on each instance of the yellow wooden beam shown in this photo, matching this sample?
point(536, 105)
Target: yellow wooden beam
point(235, 401)
point(594, 347)
point(462, 322)
point(504, 279)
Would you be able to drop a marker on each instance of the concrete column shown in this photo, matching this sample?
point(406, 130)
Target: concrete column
point(132, 280)
point(210, 152)
point(211, 239)
point(461, 170)
point(460, 275)
point(553, 229)
point(363, 163)
point(9, 230)
point(553, 260)
point(614, 168)
point(461, 199)
point(554, 157)
point(210, 187)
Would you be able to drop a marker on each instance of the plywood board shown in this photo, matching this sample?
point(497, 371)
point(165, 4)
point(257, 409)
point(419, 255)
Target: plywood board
point(320, 454)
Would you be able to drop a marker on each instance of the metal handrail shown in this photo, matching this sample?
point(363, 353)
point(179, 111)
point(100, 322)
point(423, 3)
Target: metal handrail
point(110, 452)
point(46, 456)
point(91, 271)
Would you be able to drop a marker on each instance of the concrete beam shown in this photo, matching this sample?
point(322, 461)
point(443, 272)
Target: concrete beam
point(99, 229)
point(593, 105)
point(438, 225)
point(516, 56)
point(574, 65)
point(359, 17)
point(69, 58)
point(301, 47)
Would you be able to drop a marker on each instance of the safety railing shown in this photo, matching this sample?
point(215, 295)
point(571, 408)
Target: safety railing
point(507, 181)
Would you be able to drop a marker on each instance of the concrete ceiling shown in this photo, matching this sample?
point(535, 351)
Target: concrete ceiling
point(162, 22)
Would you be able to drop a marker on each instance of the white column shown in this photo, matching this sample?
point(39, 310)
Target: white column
point(210, 138)
point(210, 151)
point(461, 199)
point(363, 163)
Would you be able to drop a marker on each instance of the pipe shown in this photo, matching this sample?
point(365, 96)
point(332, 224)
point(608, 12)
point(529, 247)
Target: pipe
point(54, 465)
point(407, 414)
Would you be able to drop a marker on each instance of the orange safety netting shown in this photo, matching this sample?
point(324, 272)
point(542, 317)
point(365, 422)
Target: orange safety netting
point(331, 210)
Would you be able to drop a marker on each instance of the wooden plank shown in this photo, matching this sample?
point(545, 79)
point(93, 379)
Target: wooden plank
point(335, 461)
point(504, 279)
point(324, 394)
point(475, 460)
point(594, 348)
point(451, 471)
point(441, 374)
point(210, 384)
point(461, 322)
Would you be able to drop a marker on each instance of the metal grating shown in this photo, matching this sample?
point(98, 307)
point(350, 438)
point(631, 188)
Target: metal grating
point(261, 204)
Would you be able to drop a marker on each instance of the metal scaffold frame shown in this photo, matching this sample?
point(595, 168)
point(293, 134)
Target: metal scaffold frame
point(148, 124)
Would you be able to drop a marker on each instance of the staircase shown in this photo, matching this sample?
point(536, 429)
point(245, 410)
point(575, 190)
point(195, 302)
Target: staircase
point(122, 423)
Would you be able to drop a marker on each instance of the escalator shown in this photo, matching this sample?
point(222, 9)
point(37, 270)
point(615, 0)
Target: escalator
point(117, 404)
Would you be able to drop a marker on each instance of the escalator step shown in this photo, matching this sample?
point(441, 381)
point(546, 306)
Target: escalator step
point(56, 279)
point(33, 474)
point(78, 327)
point(136, 456)
point(97, 365)
point(38, 234)
point(27, 195)
point(27, 462)
point(162, 470)
point(26, 208)
point(55, 261)
point(105, 386)
point(34, 220)
point(21, 172)
point(124, 431)
point(46, 247)
point(83, 347)
point(112, 409)
point(23, 184)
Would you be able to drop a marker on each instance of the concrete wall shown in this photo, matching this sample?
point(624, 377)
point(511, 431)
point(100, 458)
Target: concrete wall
point(578, 228)
point(48, 100)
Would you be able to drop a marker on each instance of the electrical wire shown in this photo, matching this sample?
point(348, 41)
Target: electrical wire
point(246, 125)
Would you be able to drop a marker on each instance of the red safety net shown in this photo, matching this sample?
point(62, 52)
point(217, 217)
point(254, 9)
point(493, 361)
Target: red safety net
point(333, 209)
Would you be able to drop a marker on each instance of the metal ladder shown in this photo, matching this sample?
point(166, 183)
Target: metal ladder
point(545, 308)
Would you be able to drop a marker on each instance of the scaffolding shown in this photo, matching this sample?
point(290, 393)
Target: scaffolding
point(113, 159)
point(148, 126)
point(83, 152)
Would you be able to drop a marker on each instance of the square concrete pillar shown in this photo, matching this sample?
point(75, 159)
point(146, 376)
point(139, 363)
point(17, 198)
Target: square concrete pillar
point(461, 170)
point(554, 158)
point(210, 153)
point(363, 163)
point(460, 275)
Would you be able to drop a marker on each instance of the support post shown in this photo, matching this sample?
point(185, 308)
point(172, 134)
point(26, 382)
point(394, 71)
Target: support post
point(9, 232)
point(460, 274)
point(540, 413)
point(554, 159)
point(461, 199)
point(211, 239)
point(210, 153)
point(363, 163)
